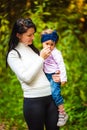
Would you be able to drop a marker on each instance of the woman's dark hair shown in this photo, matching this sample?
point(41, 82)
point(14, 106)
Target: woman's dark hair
point(20, 26)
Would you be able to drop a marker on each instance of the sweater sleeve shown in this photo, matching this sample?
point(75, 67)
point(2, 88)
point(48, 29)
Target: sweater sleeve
point(60, 62)
point(25, 75)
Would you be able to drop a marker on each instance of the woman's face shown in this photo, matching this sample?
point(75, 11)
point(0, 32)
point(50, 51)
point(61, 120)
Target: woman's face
point(27, 37)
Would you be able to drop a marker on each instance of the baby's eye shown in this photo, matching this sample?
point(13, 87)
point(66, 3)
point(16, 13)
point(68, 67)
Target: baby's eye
point(46, 43)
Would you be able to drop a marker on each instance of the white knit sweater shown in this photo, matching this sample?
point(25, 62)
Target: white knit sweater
point(29, 71)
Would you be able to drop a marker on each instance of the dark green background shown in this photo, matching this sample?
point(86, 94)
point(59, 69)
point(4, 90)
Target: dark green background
point(69, 18)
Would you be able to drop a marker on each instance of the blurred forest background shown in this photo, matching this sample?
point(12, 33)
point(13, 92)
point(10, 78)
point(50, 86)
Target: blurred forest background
point(69, 18)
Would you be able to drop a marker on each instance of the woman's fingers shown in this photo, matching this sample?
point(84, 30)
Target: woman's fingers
point(56, 77)
point(45, 53)
point(57, 72)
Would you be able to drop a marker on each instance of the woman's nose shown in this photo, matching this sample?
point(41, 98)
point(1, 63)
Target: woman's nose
point(32, 36)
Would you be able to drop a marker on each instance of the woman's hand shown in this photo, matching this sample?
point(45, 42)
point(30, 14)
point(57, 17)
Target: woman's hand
point(56, 76)
point(45, 52)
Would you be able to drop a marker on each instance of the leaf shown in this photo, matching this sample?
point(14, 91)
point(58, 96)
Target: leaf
point(83, 96)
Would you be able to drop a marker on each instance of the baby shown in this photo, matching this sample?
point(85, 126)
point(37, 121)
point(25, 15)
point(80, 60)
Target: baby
point(52, 64)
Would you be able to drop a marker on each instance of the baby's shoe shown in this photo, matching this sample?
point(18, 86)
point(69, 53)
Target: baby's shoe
point(63, 117)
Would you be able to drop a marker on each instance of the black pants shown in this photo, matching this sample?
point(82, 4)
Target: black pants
point(40, 112)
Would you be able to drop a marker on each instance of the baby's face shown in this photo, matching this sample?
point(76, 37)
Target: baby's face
point(49, 44)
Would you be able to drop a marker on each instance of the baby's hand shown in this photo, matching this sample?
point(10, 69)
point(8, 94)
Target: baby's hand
point(63, 83)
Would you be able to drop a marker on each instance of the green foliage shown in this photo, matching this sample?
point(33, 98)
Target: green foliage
point(72, 29)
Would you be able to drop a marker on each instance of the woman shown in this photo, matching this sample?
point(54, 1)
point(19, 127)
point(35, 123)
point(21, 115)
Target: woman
point(26, 62)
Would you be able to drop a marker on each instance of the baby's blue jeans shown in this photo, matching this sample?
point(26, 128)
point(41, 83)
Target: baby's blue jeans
point(56, 90)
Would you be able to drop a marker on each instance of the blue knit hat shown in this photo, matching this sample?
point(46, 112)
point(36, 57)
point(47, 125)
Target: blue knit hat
point(51, 36)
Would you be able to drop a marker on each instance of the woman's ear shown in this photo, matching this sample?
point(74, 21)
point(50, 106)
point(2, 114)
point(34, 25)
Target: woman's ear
point(18, 35)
